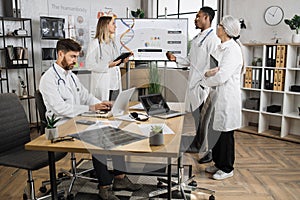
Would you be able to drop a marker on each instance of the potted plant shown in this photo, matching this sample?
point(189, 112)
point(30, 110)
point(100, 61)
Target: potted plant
point(294, 24)
point(154, 78)
point(51, 131)
point(156, 136)
point(139, 13)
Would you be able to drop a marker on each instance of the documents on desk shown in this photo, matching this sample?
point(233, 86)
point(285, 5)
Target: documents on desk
point(107, 137)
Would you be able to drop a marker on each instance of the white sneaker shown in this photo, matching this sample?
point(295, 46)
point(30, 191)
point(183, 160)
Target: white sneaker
point(211, 169)
point(220, 175)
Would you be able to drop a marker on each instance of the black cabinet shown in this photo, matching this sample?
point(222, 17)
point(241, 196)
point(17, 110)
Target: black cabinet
point(17, 69)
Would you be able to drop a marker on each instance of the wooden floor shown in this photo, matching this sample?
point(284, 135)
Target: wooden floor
point(265, 168)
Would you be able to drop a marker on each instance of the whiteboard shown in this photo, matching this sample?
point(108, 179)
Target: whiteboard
point(150, 39)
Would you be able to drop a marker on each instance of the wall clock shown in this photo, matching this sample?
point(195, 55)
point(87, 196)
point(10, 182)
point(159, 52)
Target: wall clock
point(273, 15)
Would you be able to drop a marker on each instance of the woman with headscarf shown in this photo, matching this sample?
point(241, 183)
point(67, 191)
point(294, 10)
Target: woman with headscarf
point(226, 78)
point(101, 53)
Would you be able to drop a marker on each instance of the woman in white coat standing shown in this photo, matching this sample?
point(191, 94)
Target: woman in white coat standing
point(101, 53)
point(226, 77)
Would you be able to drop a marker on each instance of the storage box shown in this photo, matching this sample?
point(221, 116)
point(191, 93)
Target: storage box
point(295, 88)
point(274, 108)
point(252, 103)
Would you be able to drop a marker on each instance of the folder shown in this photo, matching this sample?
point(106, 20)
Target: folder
point(271, 79)
point(283, 56)
point(14, 8)
point(267, 79)
point(274, 52)
point(278, 56)
point(269, 56)
point(257, 78)
point(253, 79)
point(18, 8)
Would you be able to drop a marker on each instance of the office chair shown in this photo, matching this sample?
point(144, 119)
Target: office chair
point(192, 144)
point(14, 134)
point(73, 174)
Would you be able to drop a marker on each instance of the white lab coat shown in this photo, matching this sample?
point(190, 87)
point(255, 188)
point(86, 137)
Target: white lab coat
point(103, 78)
point(199, 61)
point(228, 108)
point(63, 97)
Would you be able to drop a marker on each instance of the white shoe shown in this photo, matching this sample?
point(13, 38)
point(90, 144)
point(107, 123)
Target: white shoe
point(211, 169)
point(220, 175)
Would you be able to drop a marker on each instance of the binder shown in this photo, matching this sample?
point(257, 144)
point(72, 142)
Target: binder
point(269, 56)
point(267, 79)
point(281, 78)
point(257, 78)
point(283, 56)
point(14, 8)
point(18, 8)
point(271, 79)
point(275, 87)
point(253, 82)
point(274, 52)
point(278, 56)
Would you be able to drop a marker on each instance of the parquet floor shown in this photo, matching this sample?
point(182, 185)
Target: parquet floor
point(265, 169)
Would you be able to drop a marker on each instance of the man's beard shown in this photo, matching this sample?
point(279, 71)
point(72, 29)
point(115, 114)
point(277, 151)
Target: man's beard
point(67, 66)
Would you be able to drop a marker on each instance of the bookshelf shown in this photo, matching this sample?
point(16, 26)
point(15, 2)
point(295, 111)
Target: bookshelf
point(17, 69)
point(270, 105)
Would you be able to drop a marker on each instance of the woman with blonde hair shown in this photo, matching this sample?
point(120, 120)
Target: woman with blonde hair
point(101, 53)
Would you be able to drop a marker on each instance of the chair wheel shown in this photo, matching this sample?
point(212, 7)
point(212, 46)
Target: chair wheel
point(211, 197)
point(160, 184)
point(43, 189)
point(70, 197)
point(25, 196)
point(60, 175)
point(193, 184)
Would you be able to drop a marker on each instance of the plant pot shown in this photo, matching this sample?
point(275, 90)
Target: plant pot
point(156, 139)
point(51, 133)
point(296, 38)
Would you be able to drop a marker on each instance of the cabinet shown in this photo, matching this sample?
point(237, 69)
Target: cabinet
point(270, 107)
point(17, 71)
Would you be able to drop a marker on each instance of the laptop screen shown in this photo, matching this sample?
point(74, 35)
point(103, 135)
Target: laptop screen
point(154, 104)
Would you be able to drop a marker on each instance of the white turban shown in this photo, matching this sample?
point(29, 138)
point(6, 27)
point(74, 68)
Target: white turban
point(231, 26)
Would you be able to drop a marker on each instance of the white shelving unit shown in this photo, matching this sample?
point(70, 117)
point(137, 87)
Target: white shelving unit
point(286, 123)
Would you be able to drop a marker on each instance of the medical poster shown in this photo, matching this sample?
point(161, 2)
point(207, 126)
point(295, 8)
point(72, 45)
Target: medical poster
point(150, 39)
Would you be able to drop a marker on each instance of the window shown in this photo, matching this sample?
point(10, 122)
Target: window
point(185, 9)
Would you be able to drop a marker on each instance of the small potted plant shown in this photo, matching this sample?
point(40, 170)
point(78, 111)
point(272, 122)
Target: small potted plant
point(294, 24)
point(139, 13)
point(51, 131)
point(156, 136)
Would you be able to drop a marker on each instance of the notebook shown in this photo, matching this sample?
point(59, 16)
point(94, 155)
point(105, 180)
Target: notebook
point(155, 105)
point(118, 108)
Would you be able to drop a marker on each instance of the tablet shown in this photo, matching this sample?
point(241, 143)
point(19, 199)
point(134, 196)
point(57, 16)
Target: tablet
point(122, 57)
point(213, 62)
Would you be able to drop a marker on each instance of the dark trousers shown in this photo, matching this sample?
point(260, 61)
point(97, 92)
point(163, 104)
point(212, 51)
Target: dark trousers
point(104, 176)
point(223, 152)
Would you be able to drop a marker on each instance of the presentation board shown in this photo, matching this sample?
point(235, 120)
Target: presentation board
point(150, 39)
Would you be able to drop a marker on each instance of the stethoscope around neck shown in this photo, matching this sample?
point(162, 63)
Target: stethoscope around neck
point(63, 81)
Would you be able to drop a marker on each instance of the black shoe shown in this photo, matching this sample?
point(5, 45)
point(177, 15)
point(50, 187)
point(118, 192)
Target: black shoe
point(206, 159)
point(125, 184)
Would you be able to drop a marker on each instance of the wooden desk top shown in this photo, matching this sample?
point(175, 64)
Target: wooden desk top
point(139, 148)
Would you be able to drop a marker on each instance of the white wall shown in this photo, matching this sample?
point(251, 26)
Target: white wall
point(253, 13)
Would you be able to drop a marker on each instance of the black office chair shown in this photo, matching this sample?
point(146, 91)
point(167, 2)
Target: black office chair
point(14, 134)
point(73, 174)
point(192, 144)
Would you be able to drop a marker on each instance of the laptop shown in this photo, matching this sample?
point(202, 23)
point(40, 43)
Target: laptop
point(156, 106)
point(118, 108)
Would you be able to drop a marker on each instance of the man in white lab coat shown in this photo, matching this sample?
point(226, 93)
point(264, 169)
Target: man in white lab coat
point(198, 60)
point(66, 97)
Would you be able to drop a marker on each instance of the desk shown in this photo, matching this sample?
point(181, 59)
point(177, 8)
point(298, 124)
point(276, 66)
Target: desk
point(140, 148)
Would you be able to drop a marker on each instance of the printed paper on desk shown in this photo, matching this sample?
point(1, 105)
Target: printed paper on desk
point(104, 123)
point(146, 129)
point(125, 118)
